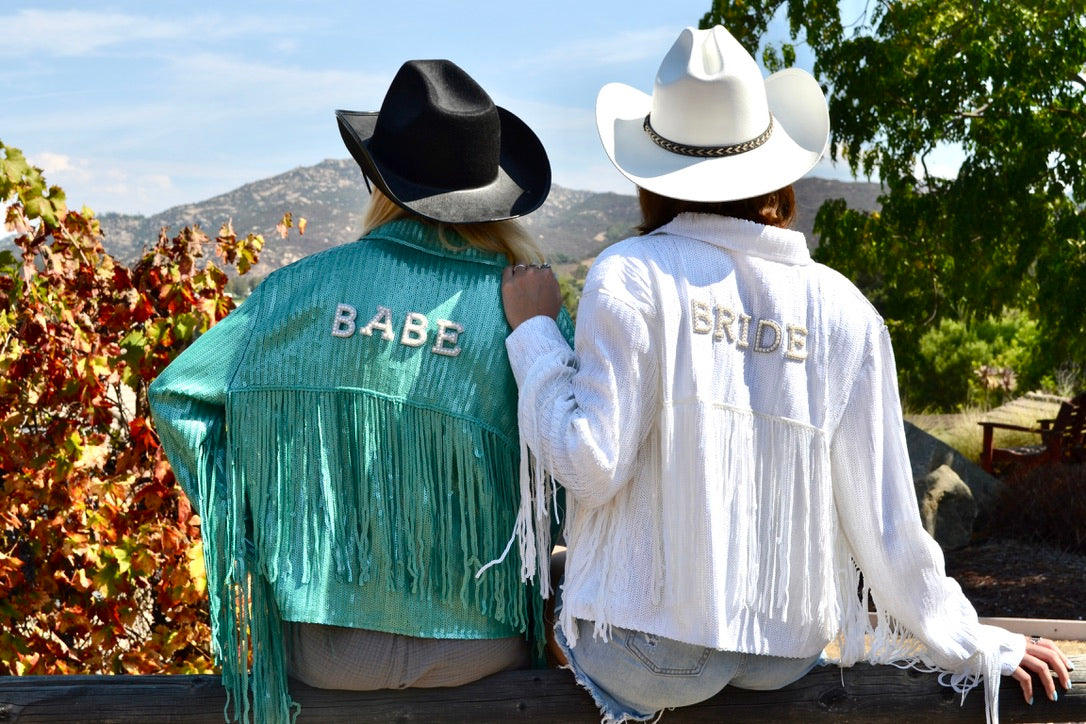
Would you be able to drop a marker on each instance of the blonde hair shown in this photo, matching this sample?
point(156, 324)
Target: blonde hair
point(504, 237)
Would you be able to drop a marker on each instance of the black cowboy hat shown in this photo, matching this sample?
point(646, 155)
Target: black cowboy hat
point(440, 148)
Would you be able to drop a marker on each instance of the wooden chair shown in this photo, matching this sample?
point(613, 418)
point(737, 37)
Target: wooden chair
point(1063, 439)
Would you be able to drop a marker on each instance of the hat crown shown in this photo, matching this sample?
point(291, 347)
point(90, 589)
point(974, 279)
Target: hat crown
point(708, 70)
point(437, 127)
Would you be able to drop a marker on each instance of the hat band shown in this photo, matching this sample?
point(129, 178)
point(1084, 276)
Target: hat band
point(708, 151)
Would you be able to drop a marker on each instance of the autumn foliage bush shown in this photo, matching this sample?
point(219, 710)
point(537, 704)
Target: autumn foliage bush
point(101, 569)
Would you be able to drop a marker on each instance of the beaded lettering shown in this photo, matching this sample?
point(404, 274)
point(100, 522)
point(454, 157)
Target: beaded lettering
point(343, 322)
point(769, 334)
point(382, 321)
point(797, 342)
point(448, 334)
point(414, 330)
point(414, 334)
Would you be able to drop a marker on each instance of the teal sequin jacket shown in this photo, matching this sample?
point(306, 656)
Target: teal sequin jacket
point(348, 435)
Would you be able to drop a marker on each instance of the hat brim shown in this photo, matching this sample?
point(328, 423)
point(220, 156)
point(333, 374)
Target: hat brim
point(800, 133)
point(521, 186)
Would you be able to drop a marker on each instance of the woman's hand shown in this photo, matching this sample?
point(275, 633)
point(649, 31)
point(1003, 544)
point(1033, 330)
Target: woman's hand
point(1042, 657)
point(529, 291)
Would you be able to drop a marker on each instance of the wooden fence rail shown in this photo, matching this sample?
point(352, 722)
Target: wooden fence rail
point(862, 693)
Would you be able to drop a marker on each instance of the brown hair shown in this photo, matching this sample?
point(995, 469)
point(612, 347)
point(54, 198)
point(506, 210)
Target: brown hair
point(777, 208)
point(505, 237)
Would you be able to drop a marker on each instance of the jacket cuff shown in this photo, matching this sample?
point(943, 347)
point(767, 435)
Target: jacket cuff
point(533, 339)
point(1012, 647)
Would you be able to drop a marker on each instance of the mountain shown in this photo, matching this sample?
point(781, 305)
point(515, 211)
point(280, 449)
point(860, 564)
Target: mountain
point(571, 226)
point(330, 196)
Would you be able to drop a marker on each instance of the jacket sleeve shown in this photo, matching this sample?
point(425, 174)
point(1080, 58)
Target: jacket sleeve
point(188, 400)
point(902, 566)
point(583, 415)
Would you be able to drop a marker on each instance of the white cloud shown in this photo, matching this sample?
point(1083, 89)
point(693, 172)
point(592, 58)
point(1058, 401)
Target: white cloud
point(139, 186)
point(231, 85)
point(105, 184)
point(609, 50)
point(55, 162)
point(109, 126)
point(76, 33)
point(201, 105)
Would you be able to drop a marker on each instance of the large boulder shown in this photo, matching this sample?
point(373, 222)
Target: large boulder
point(947, 507)
point(927, 453)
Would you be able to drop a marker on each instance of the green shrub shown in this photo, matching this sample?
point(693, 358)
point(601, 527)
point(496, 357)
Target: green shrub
point(978, 363)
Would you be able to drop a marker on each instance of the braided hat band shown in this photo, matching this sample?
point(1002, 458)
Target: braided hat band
point(708, 151)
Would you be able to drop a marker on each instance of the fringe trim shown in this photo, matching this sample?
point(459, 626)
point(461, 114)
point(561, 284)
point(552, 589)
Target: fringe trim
point(531, 531)
point(420, 476)
point(890, 643)
point(758, 471)
point(532, 535)
point(242, 610)
point(728, 507)
point(532, 528)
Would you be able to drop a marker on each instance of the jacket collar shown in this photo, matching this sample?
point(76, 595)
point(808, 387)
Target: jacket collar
point(429, 238)
point(739, 235)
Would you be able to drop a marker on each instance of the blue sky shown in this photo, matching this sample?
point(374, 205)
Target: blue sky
point(136, 107)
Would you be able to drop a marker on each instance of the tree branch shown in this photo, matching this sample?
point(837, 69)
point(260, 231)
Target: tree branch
point(978, 113)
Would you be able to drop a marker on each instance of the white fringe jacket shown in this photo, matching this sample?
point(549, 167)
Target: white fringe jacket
point(730, 437)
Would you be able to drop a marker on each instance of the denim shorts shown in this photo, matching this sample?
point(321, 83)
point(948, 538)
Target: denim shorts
point(634, 676)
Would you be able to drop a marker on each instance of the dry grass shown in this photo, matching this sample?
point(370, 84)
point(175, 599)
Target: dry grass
point(959, 431)
point(1072, 648)
point(962, 432)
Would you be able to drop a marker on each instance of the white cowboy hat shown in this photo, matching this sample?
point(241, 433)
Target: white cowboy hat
point(713, 129)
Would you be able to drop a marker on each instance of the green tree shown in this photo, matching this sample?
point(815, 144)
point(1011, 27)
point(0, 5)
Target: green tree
point(101, 569)
point(1001, 81)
